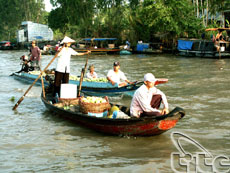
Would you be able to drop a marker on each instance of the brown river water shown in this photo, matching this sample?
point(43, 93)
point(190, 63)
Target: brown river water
point(33, 140)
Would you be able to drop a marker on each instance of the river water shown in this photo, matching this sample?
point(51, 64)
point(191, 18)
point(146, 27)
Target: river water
point(33, 140)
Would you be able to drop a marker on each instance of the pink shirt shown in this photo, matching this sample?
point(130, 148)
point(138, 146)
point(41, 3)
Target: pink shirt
point(142, 99)
point(35, 53)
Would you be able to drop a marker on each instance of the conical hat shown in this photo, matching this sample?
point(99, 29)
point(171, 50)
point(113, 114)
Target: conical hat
point(67, 40)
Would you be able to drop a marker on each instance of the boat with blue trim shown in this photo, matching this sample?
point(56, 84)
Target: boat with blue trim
point(96, 88)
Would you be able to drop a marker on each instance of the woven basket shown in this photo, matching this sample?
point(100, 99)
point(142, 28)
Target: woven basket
point(72, 101)
point(94, 107)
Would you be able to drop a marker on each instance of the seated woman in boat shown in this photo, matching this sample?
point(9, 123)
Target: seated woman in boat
point(147, 99)
point(116, 75)
point(91, 74)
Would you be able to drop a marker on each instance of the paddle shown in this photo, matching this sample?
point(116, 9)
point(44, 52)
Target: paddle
point(43, 88)
point(159, 81)
point(22, 98)
point(82, 76)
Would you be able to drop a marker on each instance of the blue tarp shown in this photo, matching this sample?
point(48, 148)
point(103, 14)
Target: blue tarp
point(184, 45)
point(99, 39)
point(38, 37)
point(142, 46)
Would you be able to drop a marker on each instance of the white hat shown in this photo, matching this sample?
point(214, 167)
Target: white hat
point(150, 77)
point(67, 40)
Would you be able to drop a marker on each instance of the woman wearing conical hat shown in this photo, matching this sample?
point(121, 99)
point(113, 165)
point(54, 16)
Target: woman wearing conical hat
point(63, 65)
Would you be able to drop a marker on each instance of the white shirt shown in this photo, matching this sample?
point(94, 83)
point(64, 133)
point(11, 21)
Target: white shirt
point(91, 76)
point(63, 64)
point(116, 77)
point(142, 99)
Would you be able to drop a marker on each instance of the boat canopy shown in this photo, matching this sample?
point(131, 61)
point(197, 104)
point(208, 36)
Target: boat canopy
point(184, 44)
point(99, 39)
point(215, 29)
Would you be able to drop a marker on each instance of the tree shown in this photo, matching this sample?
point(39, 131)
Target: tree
point(13, 12)
point(72, 15)
point(169, 17)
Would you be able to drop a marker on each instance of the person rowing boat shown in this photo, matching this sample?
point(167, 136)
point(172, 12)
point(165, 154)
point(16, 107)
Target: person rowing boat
point(63, 66)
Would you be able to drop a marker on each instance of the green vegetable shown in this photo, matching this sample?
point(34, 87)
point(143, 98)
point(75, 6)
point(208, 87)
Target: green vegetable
point(12, 99)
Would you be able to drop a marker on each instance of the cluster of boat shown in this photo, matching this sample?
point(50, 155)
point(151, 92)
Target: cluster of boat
point(113, 124)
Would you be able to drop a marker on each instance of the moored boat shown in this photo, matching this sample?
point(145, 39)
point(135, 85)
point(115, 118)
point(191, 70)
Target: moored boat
point(205, 48)
point(98, 46)
point(146, 126)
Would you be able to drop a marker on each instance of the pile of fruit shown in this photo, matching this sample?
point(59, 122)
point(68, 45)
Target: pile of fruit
point(65, 106)
point(73, 77)
point(37, 73)
point(101, 79)
point(94, 99)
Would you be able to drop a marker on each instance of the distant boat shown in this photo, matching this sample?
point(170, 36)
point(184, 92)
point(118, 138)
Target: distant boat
point(98, 46)
point(201, 48)
point(149, 48)
point(204, 48)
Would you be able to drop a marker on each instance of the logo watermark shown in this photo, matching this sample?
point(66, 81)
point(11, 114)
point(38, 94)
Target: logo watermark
point(198, 162)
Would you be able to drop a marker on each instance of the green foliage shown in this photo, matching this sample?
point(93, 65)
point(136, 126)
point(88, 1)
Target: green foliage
point(72, 14)
point(170, 18)
point(133, 20)
point(13, 12)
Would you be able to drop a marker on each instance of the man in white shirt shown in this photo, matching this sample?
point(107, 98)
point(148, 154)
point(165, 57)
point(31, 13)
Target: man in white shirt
point(147, 99)
point(63, 65)
point(116, 76)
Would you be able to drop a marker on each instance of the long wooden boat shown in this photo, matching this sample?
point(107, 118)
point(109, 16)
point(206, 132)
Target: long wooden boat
point(98, 46)
point(88, 88)
point(146, 126)
point(205, 48)
point(202, 49)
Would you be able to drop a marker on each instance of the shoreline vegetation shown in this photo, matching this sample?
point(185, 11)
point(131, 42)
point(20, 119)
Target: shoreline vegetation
point(150, 21)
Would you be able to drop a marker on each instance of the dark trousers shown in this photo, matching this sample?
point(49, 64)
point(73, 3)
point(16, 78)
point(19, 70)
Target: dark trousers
point(155, 103)
point(59, 79)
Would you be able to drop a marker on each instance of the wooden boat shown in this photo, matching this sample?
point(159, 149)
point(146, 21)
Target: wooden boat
point(98, 46)
point(146, 126)
point(204, 48)
point(88, 88)
point(148, 48)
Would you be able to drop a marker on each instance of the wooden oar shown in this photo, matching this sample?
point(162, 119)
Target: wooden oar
point(43, 88)
point(22, 98)
point(82, 76)
point(159, 81)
